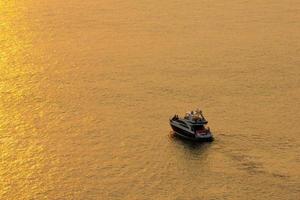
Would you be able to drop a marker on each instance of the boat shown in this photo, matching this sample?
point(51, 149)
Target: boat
point(193, 126)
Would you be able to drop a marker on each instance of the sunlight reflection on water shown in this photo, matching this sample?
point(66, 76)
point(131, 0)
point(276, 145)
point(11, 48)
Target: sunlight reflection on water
point(87, 87)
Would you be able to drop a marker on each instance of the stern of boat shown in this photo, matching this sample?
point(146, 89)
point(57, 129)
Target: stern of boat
point(204, 136)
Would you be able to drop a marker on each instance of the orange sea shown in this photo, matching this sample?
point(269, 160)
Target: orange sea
point(87, 88)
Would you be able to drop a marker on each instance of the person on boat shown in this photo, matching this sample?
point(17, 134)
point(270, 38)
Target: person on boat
point(191, 115)
point(186, 115)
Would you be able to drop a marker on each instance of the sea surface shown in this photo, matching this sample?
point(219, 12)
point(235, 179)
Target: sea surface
point(87, 88)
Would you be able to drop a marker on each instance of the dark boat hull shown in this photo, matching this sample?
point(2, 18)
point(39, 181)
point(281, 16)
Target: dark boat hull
point(188, 136)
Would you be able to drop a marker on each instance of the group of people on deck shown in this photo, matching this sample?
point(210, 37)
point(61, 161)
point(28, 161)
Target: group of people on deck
point(194, 115)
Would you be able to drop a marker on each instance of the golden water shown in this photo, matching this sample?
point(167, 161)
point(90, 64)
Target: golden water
point(87, 87)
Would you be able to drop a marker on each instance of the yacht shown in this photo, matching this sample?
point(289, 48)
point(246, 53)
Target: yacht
point(192, 126)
